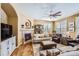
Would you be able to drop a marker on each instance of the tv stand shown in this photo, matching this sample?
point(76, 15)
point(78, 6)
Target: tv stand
point(8, 46)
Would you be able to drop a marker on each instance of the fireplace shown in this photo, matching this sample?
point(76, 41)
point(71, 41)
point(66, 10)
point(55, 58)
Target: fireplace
point(28, 36)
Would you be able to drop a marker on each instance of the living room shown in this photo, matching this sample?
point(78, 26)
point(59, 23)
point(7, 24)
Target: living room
point(47, 30)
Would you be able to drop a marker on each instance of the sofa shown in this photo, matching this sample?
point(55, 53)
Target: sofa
point(56, 38)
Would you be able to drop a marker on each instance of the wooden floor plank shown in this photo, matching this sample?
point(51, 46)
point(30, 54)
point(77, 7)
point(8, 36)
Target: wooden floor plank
point(23, 50)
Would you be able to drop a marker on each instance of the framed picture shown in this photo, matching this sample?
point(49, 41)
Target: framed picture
point(28, 24)
point(71, 27)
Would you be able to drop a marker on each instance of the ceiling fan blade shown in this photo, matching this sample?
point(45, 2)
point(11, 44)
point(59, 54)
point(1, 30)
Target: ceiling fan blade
point(56, 14)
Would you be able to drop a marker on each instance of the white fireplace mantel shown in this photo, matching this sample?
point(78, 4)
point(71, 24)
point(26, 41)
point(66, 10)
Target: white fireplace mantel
point(27, 29)
point(24, 31)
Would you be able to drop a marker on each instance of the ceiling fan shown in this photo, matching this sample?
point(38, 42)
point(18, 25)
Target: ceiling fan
point(52, 14)
point(56, 14)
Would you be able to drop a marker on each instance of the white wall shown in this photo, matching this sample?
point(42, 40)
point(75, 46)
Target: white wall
point(3, 16)
point(3, 19)
point(0, 30)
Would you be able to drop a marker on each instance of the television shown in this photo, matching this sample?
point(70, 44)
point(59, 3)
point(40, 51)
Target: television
point(6, 31)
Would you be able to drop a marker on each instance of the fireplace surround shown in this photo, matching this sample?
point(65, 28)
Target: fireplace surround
point(27, 35)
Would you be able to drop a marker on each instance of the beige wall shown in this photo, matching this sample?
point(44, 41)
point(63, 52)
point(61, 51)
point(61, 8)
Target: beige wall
point(14, 22)
point(42, 22)
point(54, 25)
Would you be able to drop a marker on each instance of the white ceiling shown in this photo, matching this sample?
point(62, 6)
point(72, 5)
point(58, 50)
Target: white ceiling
point(41, 10)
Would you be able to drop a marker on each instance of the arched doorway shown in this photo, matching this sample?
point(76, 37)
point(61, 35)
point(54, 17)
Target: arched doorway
point(12, 18)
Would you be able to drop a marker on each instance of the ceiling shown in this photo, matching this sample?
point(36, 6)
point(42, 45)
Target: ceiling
point(41, 10)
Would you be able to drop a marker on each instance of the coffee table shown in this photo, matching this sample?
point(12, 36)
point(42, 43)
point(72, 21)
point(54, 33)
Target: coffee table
point(48, 45)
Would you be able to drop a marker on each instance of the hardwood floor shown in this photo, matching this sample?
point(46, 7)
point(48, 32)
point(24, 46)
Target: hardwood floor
point(23, 50)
